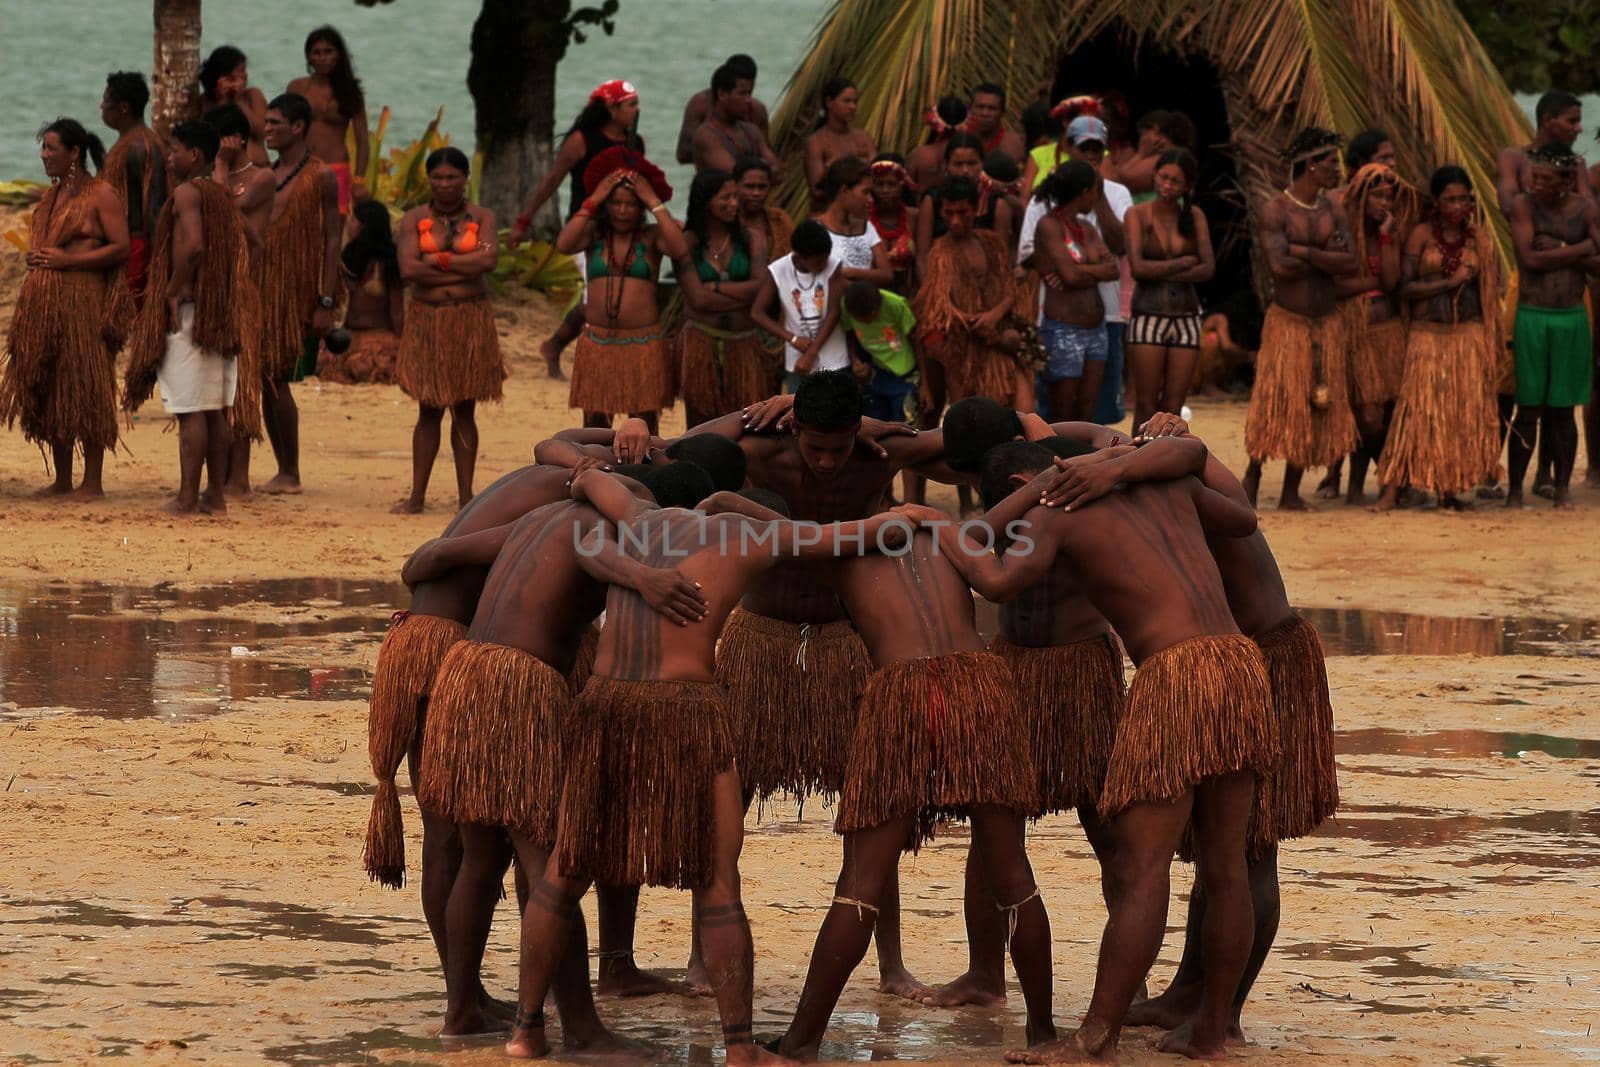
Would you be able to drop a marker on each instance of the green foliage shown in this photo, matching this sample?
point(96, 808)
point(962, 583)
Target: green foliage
point(538, 266)
point(1540, 44)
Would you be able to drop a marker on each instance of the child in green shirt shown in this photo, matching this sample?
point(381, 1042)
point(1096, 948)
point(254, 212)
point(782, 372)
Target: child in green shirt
point(880, 324)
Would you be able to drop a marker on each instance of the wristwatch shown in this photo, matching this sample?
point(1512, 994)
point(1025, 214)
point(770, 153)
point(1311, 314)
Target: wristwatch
point(325, 302)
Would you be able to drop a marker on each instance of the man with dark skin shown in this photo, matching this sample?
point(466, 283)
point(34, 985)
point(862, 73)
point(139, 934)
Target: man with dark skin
point(1304, 790)
point(642, 662)
point(699, 106)
point(536, 602)
point(298, 278)
point(136, 167)
point(1197, 730)
point(1300, 407)
point(728, 134)
point(986, 114)
point(1556, 235)
point(253, 188)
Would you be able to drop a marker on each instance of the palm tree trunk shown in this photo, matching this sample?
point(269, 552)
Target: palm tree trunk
point(516, 45)
point(175, 94)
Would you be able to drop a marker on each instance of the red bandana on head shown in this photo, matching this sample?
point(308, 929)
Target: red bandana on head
point(620, 158)
point(612, 93)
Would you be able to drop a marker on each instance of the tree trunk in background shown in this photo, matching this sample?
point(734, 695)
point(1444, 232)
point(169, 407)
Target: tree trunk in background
point(516, 45)
point(175, 78)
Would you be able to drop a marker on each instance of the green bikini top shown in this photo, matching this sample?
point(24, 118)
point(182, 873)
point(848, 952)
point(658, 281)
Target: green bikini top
point(638, 264)
point(738, 269)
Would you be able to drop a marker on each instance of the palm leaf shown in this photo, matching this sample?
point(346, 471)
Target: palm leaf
point(1411, 67)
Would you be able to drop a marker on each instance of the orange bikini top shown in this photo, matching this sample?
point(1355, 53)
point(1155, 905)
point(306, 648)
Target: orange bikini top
point(465, 241)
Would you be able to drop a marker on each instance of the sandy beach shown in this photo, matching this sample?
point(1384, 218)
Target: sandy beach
point(186, 784)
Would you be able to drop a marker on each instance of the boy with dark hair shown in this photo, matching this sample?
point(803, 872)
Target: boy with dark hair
point(728, 133)
point(880, 324)
point(136, 167)
point(695, 111)
point(806, 285)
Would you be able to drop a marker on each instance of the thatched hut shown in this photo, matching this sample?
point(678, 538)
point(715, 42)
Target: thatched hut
point(1249, 72)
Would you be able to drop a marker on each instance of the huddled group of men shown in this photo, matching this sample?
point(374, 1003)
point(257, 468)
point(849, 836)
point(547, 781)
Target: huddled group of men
point(611, 653)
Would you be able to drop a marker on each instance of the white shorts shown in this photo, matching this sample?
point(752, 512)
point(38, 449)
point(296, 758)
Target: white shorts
point(192, 379)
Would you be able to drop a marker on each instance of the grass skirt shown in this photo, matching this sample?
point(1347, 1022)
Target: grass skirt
point(1072, 699)
point(1284, 422)
point(936, 736)
point(491, 742)
point(1294, 799)
point(369, 360)
point(449, 353)
point(639, 805)
point(1445, 436)
point(721, 371)
point(621, 371)
point(1199, 709)
point(60, 379)
point(407, 662)
point(793, 692)
point(1377, 357)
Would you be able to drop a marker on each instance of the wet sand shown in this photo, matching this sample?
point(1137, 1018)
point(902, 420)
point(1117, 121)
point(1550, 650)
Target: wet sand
point(186, 785)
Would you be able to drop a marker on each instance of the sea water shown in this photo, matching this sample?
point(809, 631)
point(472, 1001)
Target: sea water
point(411, 55)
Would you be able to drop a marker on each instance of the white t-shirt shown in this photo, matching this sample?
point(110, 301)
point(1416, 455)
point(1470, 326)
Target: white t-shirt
point(855, 250)
point(805, 304)
point(1121, 200)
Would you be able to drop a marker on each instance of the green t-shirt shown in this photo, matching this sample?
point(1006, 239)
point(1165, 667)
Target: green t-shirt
point(887, 338)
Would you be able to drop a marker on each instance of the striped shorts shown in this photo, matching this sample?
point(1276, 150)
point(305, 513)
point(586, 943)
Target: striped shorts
point(1168, 331)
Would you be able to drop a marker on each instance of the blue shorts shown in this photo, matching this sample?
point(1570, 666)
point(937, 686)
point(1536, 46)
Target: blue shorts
point(1071, 347)
point(887, 395)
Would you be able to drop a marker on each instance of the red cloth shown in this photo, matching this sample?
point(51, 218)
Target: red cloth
point(614, 92)
point(138, 266)
point(341, 174)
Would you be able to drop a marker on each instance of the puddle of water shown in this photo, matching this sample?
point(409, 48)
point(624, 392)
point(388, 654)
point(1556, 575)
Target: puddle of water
point(1549, 840)
point(128, 652)
point(1439, 744)
point(260, 919)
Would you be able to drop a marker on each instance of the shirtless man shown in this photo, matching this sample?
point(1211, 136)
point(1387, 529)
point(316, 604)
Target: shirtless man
point(1197, 730)
point(1556, 235)
point(1304, 789)
point(136, 167)
point(986, 113)
point(253, 187)
point(652, 713)
point(699, 106)
point(507, 679)
point(441, 608)
point(1300, 407)
point(1558, 118)
point(728, 135)
point(298, 277)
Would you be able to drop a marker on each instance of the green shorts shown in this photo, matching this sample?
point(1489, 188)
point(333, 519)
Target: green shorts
point(1554, 355)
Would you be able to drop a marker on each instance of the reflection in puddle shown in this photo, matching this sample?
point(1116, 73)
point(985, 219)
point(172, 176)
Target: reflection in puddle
point(125, 652)
point(1444, 744)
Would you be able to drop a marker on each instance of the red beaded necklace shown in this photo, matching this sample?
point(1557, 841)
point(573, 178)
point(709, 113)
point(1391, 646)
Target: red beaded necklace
point(1451, 251)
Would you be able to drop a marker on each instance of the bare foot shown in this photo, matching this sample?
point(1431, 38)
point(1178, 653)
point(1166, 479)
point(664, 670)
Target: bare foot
point(1168, 1011)
point(798, 1054)
point(504, 1011)
point(623, 978)
point(1455, 503)
point(748, 1054)
point(283, 485)
point(1544, 489)
point(214, 504)
point(1252, 483)
point(176, 506)
point(472, 1023)
point(1328, 490)
point(1235, 1035)
point(407, 507)
point(527, 1043)
point(1355, 498)
point(552, 360)
point(1386, 502)
point(85, 492)
point(1514, 498)
point(1294, 503)
point(238, 491)
point(1069, 1049)
point(900, 983)
point(1194, 1041)
point(697, 978)
point(965, 990)
point(53, 489)
point(1563, 499)
point(605, 1043)
point(1490, 492)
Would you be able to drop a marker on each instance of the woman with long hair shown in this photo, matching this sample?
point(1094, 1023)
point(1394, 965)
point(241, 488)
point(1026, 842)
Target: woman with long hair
point(225, 79)
point(1073, 328)
point(374, 317)
point(847, 193)
point(449, 352)
point(835, 137)
point(59, 376)
point(894, 218)
point(1169, 252)
point(1445, 435)
point(337, 105)
point(622, 365)
point(1379, 207)
point(722, 364)
point(609, 120)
